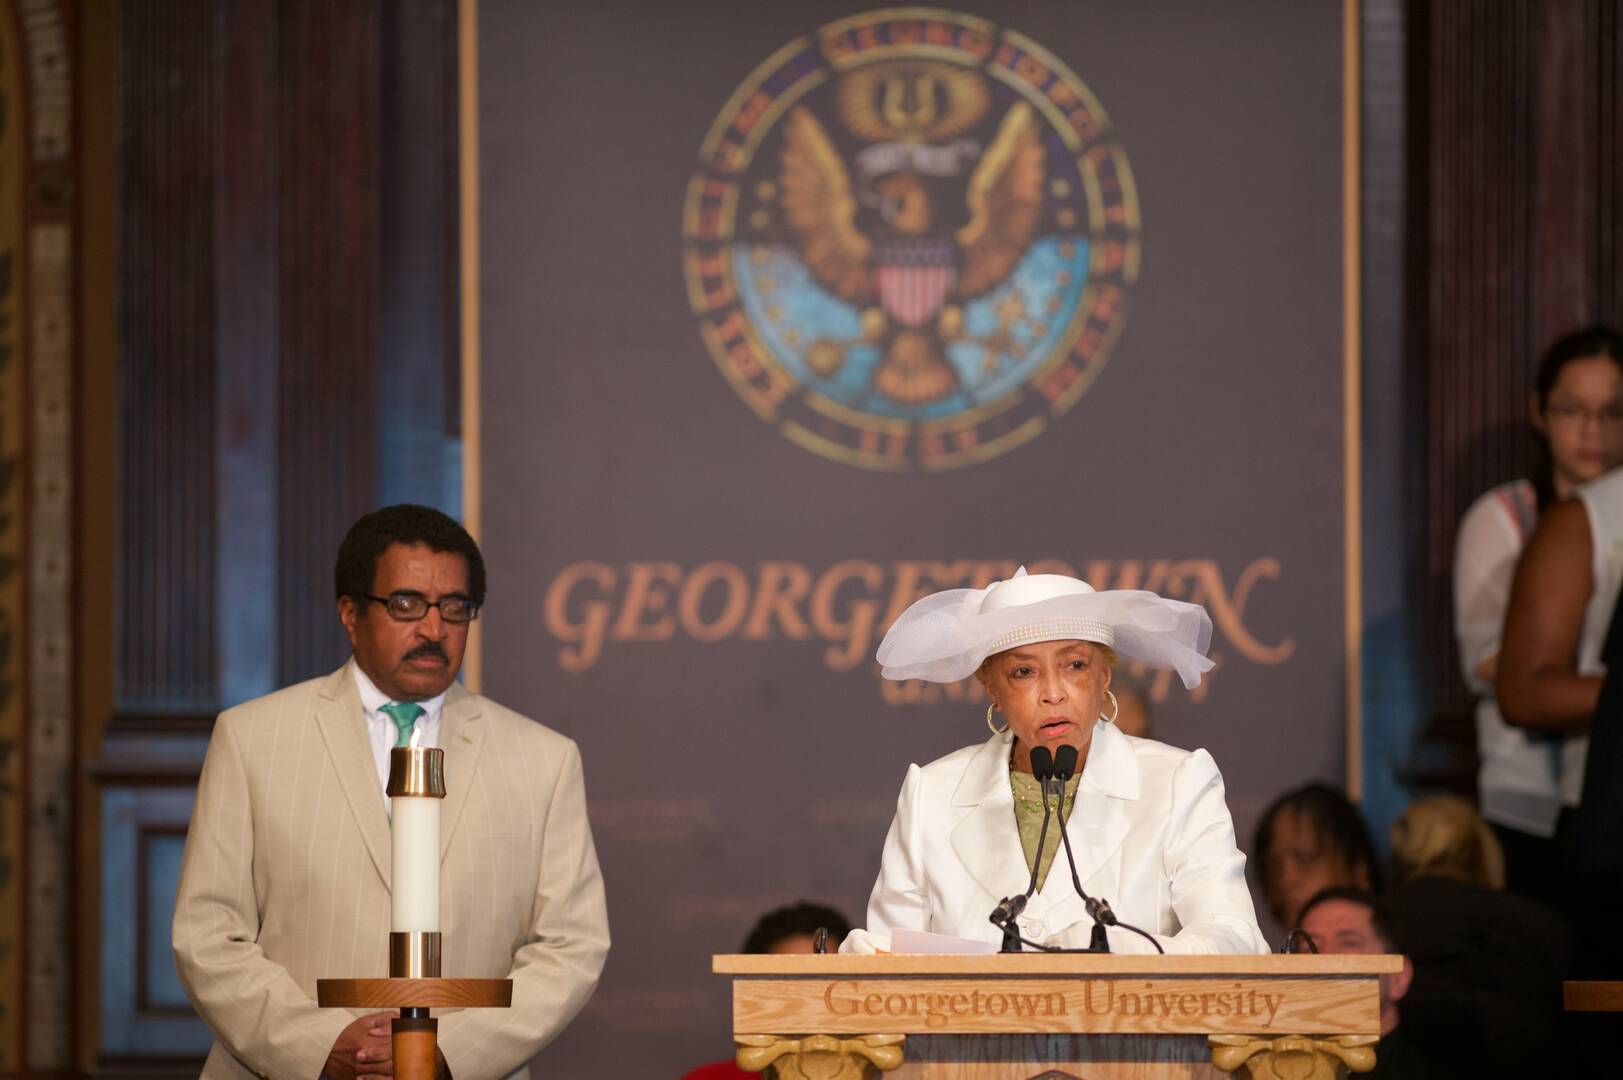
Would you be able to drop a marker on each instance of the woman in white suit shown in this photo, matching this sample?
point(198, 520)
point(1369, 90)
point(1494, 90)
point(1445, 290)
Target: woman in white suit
point(1147, 822)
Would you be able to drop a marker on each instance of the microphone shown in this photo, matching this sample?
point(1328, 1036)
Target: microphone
point(1098, 910)
point(1299, 936)
point(1004, 915)
point(1064, 769)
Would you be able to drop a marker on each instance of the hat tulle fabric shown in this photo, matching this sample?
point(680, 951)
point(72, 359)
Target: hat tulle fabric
point(945, 636)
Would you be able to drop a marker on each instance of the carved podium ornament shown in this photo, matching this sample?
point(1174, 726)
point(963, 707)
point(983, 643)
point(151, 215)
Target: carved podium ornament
point(1294, 1057)
point(819, 1057)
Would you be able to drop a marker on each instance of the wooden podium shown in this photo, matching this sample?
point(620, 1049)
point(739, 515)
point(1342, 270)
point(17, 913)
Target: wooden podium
point(1035, 1016)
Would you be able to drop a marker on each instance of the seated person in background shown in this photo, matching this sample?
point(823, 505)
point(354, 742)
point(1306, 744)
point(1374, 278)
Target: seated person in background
point(791, 929)
point(1310, 839)
point(1346, 920)
point(1486, 997)
point(1443, 836)
point(1149, 825)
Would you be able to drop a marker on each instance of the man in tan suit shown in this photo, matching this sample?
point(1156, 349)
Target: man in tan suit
point(286, 875)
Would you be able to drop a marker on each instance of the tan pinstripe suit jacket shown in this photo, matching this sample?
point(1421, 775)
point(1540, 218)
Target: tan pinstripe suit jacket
point(286, 880)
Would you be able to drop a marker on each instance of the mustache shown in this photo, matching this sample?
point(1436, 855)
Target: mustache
point(428, 649)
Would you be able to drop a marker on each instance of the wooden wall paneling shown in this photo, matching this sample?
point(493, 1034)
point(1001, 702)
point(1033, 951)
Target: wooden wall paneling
point(96, 555)
point(1566, 168)
point(1474, 68)
point(1608, 287)
point(328, 345)
point(14, 537)
point(166, 644)
point(1524, 208)
point(247, 297)
point(142, 1023)
point(1479, 333)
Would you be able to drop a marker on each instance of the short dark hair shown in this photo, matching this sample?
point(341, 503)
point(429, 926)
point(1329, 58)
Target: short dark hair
point(1332, 817)
point(407, 524)
point(1379, 918)
point(792, 921)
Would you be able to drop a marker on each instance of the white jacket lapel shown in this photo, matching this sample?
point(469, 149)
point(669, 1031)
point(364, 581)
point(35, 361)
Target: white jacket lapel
point(985, 839)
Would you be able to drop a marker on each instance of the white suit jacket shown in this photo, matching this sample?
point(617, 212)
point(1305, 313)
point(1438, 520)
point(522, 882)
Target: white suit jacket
point(1151, 834)
point(286, 880)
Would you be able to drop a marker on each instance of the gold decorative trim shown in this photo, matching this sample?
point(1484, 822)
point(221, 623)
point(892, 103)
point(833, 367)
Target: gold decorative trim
point(1352, 439)
point(414, 954)
point(1299, 1057)
point(819, 1057)
point(468, 224)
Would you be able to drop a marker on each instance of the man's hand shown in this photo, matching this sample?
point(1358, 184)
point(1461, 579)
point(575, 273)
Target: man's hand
point(363, 1050)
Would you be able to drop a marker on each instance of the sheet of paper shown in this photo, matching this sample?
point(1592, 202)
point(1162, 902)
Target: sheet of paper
point(920, 942)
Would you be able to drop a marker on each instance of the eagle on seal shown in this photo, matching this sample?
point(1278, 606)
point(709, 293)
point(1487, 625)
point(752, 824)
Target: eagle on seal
point(912, 239)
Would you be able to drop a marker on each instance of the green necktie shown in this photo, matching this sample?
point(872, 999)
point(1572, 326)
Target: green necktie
point(404, 714)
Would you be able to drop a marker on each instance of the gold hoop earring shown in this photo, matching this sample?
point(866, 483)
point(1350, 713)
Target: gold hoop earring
point(1115, 708)
point(990, 709)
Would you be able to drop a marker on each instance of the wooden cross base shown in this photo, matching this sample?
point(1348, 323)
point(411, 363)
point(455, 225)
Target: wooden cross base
point(416, 1034)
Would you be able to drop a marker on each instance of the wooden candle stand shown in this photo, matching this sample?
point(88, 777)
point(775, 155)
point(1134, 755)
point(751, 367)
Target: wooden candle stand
point(416, 1034)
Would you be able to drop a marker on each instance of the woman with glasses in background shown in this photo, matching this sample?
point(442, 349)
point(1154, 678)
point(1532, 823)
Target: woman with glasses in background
point(1576, 413)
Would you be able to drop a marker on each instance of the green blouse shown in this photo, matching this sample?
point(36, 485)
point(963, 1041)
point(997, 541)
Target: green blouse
point(1028, 818)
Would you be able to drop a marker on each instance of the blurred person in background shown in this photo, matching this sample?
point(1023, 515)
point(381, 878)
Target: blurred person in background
point(1576, 414)
point(794, 929)
point(1486, 996)
point(1353, 921)
point(1309, 839)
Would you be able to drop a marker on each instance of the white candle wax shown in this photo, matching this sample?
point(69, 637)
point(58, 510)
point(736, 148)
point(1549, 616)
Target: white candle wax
point(416, 827)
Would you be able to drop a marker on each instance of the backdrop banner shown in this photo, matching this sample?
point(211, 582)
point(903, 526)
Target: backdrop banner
point(792, 313)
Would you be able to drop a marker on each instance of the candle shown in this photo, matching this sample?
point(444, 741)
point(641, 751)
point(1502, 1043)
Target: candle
point(416, 786)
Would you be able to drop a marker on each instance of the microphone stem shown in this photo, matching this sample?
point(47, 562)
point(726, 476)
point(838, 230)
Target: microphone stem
point(1042, 835)
point(1011, 933)
point(1099, 942)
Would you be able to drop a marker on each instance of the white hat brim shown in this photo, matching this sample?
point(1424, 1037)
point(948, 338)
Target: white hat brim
point(946, 636)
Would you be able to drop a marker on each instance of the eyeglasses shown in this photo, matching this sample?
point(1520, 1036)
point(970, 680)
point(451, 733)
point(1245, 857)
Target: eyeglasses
point(407, 607)
point(1570, 412)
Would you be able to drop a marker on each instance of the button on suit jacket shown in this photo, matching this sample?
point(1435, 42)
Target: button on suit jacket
point(286, 880)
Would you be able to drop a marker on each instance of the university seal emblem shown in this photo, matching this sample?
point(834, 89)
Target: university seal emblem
point(911, 239)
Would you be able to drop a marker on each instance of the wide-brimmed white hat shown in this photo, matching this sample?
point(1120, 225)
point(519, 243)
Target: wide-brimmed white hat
point(945, 636)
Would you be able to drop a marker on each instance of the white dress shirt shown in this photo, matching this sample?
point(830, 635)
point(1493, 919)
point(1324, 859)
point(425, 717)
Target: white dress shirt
point(1519, 779)
point(381, 732)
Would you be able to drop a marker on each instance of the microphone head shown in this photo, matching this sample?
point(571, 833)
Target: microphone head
point(1042, 763)
point(1064, 762)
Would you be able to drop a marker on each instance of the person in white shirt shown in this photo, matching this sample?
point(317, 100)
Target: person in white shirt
point(1148, 824)
point(1577, 415)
